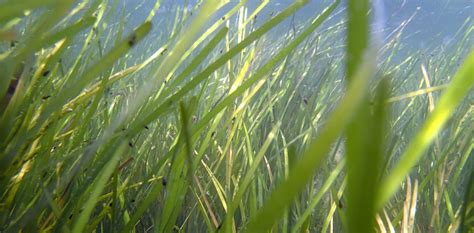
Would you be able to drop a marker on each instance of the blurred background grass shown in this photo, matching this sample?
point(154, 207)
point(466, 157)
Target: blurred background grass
point(233, 117)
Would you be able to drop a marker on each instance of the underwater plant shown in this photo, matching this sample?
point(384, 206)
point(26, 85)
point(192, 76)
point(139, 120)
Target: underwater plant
point(201, 120)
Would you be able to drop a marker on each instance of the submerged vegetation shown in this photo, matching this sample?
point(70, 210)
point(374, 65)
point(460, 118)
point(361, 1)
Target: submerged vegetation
point(212, 124)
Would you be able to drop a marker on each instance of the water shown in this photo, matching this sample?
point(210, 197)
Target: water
point(431, 21)
point(107, 131)
point(425, 24)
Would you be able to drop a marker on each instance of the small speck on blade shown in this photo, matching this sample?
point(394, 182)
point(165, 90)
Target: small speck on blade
point(46, 73)
point(340, 203)
point(132, 41)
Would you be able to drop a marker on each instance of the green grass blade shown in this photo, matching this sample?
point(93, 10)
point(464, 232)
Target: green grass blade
point(357, 34)
point(249, 176)
point(143, 206)
point(314, 202)
point(459, 87)
point(170, 101)
point(14, 9)
point(266, 68)
point(99, 186)
point(311, 159)
point(364, 153)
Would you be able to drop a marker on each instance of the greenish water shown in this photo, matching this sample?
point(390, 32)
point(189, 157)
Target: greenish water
point(249, 116)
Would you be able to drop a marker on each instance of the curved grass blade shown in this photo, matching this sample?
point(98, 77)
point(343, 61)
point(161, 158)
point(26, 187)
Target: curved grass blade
point(73, 89)
point(458, 88)
point(314, 202)
point(181, 176)
point(311, 159)
point(365, 134)
point(69, 32)
point(170, 101)
point(166, 66)
point(249, 176)
point(364, 153)
point(98, 186)
point(144, 205)
point(204, 36)
point(12, 9)
point(466, 222)
point(200, 57)
point(266, 68)
point(33, 42)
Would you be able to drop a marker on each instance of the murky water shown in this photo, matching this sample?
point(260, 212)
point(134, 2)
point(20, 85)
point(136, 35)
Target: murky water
point(108, 127)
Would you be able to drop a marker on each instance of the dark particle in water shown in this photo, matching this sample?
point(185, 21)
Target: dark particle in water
point(12, 86)
point(130, 144)
point(305, 100)
point(13, 43)
point(223, 17)
point(46, 73)
point(164, 50)
point(45, 97)
point(340, 203)
point(133, 200)
point(146, 127)
point(213, 134)
point(111, 204)
point(132, 41)
point(164, 182)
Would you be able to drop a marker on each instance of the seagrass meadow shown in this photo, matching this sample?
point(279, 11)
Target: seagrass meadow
point(225, 116)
